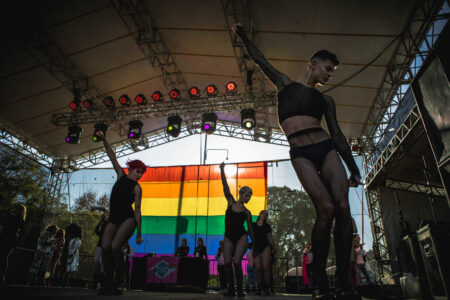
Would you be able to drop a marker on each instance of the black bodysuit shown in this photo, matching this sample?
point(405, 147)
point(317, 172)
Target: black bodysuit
point(296, 99)
point(122, 198)
point(261, 237)
point(234, 224)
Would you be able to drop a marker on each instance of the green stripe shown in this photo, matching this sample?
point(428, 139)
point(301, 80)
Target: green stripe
point(213, 225)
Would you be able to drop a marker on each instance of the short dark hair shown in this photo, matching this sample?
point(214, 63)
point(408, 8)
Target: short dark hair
point(324, 55)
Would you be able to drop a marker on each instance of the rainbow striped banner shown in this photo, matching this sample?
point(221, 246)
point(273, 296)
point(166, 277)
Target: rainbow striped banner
point(188, 202)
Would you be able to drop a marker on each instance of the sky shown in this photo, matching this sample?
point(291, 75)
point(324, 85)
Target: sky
point(190, 151)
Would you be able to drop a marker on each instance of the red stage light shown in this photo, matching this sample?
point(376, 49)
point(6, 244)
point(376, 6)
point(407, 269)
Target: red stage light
point(88, 103)
point(157, 96)
point(231, 87)
point(73, 105)
point(174, 94)
point(124, 100)
point(140, 99)
point(194, 92)
point(108, 102)
point(211, 90)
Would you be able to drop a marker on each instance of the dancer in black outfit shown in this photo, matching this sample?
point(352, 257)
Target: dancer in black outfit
point(314, 156)
point(122, 219)
point(236, 238)
point(263, 248)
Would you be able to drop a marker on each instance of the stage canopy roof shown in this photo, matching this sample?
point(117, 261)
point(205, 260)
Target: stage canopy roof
point(51, 45)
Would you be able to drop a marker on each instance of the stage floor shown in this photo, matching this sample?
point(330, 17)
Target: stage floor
point(16, 292)
point(19, 292)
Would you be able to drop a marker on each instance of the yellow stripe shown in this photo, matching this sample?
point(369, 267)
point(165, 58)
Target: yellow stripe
point(195, 206)
point(199, 188)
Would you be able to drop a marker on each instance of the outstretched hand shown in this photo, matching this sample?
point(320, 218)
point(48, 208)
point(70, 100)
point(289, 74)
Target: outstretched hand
point(354, 181)
point(222, 165)
point(237, 27)
point(139, 239)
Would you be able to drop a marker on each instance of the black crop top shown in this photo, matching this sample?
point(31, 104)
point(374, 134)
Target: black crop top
point(296, 99)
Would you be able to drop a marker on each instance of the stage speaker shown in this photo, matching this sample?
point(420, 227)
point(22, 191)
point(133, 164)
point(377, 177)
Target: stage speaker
point(435, 249)
point(139, 273)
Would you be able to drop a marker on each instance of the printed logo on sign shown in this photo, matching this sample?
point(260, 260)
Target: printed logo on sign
point(162, 269)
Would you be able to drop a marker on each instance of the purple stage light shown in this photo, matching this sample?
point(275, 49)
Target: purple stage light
point(131, 135)
point(207, 127)
point(67, 139)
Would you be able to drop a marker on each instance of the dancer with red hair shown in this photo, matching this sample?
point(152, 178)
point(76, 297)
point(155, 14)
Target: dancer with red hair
point(123, 220)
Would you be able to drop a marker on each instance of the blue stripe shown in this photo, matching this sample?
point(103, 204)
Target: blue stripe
point(167, 243)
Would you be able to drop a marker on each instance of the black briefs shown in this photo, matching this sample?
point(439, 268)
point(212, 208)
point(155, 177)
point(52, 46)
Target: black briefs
point(314, 152)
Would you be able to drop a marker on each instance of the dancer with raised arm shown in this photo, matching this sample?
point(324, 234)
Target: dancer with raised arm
point(236, 237)
point(122, 219)
point(314, 156)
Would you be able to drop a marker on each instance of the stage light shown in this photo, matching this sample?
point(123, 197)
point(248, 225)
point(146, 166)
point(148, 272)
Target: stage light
point(248, 121)
point(157, 96)
point(99, 127)
point(194, 92)
point(124, 100)
point(135, 129)
point(73, 136)
point(231, 87)
point(75, 104)
point(174, 94)
point(209, 121)
point(174, 125)
point(88, 104)
point(109, 102)
point(140, 99)
point(211, 90)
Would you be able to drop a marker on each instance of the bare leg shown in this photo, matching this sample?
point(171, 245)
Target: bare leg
point(122, 235)
point(321, 198)
point(239, 251)
point(258, 269)
point(334, 176)
point(228, 249)
point(266, 261)
point(107, 254)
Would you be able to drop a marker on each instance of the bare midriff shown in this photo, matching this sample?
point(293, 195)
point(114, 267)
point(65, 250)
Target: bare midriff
point(302, 122)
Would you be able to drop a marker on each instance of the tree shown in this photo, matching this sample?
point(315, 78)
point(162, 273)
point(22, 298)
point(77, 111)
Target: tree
point(292, 216)
point(85, 202)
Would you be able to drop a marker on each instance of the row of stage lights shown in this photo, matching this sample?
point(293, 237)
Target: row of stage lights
point(174, 94)
point(209, 121)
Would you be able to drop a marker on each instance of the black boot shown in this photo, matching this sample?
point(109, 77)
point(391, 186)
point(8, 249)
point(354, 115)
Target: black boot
point(230, 281)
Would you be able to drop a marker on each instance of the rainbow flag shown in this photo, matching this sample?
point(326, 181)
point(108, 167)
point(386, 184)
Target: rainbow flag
point(188, 202)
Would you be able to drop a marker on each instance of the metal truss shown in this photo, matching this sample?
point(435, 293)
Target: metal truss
point(193, 107)
point(238, 11)
point(136, 18)
point(52, 192)
point(159, 137)
point(13, 141)
point(407, 134)
point(414, 46)
point(380, 246)
point(414, 187)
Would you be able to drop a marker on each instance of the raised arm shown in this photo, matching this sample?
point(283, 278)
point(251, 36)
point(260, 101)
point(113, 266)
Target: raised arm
point(226, 188)
point(340, 141)
point(279, 79)
point(137, 212)
point(111, 154)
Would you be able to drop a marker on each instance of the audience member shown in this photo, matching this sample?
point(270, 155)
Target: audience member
point(183, 250)
point(42, 255)
point(307, 266)
point(58, 244)
point(221, 266)
point(13, 223)
point(99, 279)
point(251, 274)
point(200, 250)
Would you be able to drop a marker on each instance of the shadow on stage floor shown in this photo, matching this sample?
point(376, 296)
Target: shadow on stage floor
point(17, 292)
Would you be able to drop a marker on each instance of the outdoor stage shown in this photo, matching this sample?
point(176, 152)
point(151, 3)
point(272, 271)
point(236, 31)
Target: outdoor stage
point(26, 292)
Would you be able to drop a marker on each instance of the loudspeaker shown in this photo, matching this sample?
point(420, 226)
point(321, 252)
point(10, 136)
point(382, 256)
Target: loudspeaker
point(139, 273)
point(435, 249)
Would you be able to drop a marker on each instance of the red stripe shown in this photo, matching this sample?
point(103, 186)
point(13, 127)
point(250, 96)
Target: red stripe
point(210, 172)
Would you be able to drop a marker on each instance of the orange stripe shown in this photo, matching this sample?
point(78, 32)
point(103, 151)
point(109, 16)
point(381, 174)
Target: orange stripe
point(188, 189)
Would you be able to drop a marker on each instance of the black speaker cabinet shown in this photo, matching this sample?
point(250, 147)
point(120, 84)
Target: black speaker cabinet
point(435, 248)
point(139, 273)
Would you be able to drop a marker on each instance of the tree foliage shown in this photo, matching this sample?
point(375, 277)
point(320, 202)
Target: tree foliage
point(292, 216)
